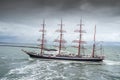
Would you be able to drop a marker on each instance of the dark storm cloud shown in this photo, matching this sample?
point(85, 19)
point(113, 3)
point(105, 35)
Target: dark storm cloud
point(62, 5)
point(24, 15)
point(17, 9)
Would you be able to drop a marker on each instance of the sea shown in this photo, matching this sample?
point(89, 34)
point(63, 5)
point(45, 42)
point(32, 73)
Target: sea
point(16, 65)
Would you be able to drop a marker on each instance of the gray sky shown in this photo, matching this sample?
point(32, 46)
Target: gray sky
point(20, 20)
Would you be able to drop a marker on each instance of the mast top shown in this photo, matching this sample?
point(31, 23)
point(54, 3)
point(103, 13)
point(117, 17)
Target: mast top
point(95, 33)
point(43, 24)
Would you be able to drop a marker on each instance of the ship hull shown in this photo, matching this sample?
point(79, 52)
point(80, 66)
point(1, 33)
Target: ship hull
point(65, 58)
point(68, 58)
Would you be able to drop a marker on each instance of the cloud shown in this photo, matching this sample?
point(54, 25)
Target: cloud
point(22, 19)
point(59, 6)
point(18, 32)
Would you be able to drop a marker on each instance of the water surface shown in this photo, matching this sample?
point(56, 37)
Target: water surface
point(15, 65)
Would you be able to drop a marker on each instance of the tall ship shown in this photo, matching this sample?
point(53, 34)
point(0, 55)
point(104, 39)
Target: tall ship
point(60, 53)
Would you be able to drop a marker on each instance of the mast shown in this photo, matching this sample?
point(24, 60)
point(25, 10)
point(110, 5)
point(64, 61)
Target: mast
point(61, 41)
point(42, 40)
point(94, 46)
point(60, 37)
point(101, 49)
point(80, 42)
point(80, 38)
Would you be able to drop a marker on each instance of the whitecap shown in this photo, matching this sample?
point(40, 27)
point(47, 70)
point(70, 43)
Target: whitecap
point(3, 57)
point(110, 62)
point(36, 71)
point(30, 59)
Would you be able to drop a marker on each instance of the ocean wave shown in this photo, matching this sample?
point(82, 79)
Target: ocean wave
point(39, 70)
point(110, 62)
point(3, 57)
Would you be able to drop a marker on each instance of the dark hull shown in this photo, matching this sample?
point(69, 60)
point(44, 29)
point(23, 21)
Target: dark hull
point(65, 58)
